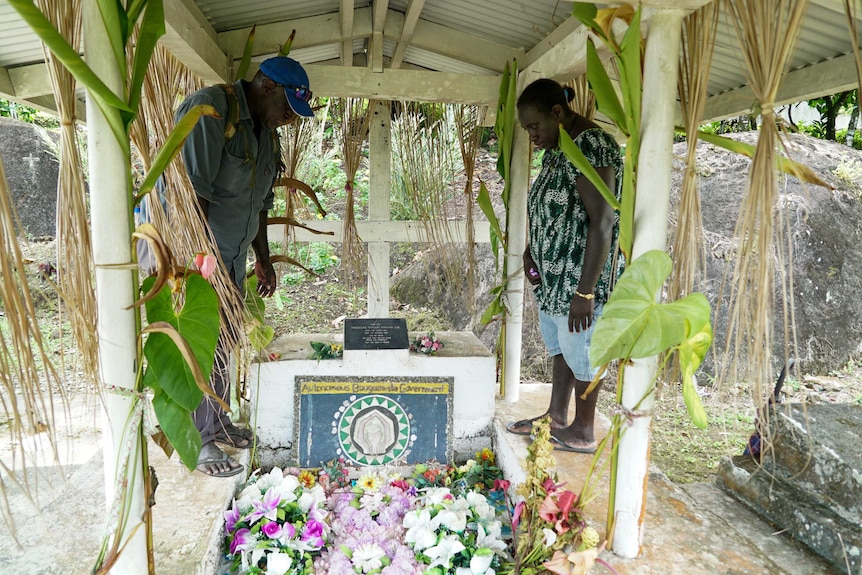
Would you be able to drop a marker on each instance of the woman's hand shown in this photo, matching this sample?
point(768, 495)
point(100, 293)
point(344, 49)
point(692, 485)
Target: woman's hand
point(580, 313)
point(530, 269)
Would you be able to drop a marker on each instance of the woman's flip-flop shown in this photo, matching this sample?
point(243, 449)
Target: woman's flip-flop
point(523, 423)
point(560, 445)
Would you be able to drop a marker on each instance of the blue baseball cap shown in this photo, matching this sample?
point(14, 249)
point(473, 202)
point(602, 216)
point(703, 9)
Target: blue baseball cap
point(289, 74)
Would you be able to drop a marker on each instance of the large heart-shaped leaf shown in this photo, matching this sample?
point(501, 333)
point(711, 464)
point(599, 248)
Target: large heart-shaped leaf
point(197, 323)
point(178, 427)
point(633, 325)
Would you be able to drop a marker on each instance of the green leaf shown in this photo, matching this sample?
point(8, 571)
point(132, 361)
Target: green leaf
point(254, 304)
point(607, 101)
point(495, 308)
point(630, 65)
point(116, 27)
point(288, 44)
point(483, 198)
point(633, 325)
point(691, 354)
point(246, 55)
point(152, 28)
point(178, 427)
point(586, 12)
point(134, 10)
point(574, 154)
point(795, 169)
point(260, 336)
point(627, 211)
point(197, 323)
point(65, 53)
point(172, 146)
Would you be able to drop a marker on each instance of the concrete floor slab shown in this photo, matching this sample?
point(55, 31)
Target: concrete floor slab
point(689, 529)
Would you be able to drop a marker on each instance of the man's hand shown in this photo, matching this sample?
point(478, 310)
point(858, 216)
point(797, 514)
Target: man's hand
point(266, 281)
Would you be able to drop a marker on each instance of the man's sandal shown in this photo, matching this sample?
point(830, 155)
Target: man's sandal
point(237, 437)
point(207, 464)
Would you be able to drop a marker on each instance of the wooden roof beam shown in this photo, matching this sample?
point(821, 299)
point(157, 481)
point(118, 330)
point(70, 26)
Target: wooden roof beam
point(411, 17)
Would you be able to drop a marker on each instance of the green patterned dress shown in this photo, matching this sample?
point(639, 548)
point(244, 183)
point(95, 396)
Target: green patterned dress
point(558, 223)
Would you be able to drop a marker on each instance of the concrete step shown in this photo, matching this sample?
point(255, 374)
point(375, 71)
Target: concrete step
point(785, 505)
point(816, 447)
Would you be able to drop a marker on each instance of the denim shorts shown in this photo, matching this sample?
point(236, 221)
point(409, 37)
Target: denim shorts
point(575, 346)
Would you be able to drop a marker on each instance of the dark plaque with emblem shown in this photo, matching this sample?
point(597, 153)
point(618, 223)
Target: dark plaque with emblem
point(376, 333)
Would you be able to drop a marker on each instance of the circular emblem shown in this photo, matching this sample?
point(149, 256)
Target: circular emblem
point(372, 430)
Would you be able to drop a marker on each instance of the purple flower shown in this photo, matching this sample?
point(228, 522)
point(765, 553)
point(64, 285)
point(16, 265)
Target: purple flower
point(272, 530)
point(231, 517)
point(241, 539)
point(288, 531)
point(312, 533)
point(267, 508)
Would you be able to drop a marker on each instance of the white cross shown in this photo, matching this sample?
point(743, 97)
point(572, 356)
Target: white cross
point(30, 160)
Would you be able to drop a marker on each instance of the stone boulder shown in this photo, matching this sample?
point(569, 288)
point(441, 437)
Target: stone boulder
point(30, 157)
point(826, 254)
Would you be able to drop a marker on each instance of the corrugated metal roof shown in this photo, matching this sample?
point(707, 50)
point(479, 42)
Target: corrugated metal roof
point(18, 45)
point(514, 23)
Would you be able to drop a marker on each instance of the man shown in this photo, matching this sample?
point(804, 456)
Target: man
point(231, 161)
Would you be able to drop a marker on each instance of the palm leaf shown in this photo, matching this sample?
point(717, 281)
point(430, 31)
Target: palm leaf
point(152, 28)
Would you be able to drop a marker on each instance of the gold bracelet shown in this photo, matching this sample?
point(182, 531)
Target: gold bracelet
point(587, 296)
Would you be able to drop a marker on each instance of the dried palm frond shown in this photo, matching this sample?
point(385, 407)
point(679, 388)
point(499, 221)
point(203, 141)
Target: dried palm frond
point(174, 210)
point(31, 389)
point(74, 247)
point(767, 32)
point(428, 153)
point(297, 144)
point(353, 117)
point(699, 32)
point(584, 102)
point(468, 121)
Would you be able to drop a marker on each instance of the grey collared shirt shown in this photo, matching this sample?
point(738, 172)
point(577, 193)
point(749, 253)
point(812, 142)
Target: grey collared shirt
point(234, 175)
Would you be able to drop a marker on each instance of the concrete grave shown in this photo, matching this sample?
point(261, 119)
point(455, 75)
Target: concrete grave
point(30, 159)
point(446, 400)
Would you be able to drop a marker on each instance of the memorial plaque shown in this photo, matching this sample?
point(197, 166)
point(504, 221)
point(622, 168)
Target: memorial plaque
point(376, 333)
point(372, 421)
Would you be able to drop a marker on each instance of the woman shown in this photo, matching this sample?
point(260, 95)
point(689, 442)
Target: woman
point(571, 255)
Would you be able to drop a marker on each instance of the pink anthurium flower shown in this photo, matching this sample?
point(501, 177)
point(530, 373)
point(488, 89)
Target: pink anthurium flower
point(549, 509)
point(516, 515)
point(501, 484)
point(206, 264)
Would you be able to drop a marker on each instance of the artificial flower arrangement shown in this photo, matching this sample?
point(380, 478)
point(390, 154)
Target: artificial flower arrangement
point(439, 520)
point(329, 350)
point(277, 525)
point(427, 344)
point(551, 534)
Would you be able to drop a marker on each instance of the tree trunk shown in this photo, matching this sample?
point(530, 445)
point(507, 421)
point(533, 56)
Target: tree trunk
point(851, 127)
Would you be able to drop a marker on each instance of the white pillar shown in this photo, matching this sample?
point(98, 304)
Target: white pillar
point(517, 232)
point(650, 233)
point(111, 217)
point(378, 208)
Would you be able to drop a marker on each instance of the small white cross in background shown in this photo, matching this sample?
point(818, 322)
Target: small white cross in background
point(31, 159)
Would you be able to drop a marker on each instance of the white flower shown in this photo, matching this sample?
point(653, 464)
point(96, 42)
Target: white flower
point(490, 539)
point(550, 536)
point(420, 529)
point(480, 563)
point(278, 563)
point(368, 557)
point(443, 552)
point(247, 495)
point(437, 495)
point(287, 487)
point(454, 520)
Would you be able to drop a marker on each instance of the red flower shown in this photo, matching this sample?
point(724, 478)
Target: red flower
point(516, 515)
point(501, 484)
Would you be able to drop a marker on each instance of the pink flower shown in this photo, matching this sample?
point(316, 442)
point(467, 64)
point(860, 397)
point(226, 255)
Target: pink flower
point(549, 486)
point(400, 484)
point(231, 517)
point(205, 263)
point(566, 499)
point(288, 531)
point(516, 515)
point(549, 509)
point(241, 539)
point(501, 484)
point(272, 530)
point(313, 533)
